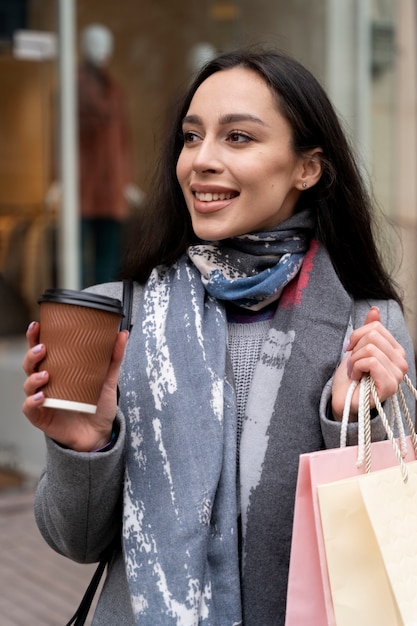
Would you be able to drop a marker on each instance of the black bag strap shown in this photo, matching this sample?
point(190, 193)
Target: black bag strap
point(80, 615)
point(126, 323)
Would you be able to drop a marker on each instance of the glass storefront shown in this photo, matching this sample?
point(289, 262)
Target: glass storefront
point(122, 101)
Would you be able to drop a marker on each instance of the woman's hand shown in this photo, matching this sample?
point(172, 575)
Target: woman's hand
point(371, 350)
point(82, 432)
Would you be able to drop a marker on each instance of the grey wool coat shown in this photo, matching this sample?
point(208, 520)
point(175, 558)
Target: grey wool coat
point(78, 504)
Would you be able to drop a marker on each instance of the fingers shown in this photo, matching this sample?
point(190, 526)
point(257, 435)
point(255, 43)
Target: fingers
point(35, 379)
point(36, 351)
point(372, 323)
point(32, 334)
point(373, 349)
point(35, 382)
point(375, 346)
point(378, 355)
point(32, 408)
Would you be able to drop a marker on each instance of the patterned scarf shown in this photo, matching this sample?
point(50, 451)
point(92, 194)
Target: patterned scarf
point(180, 534)
point(252, 270)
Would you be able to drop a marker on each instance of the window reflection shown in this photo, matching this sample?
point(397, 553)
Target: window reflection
point(156, 49)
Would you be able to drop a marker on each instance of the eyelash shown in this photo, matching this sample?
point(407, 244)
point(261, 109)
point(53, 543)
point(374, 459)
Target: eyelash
point(190, 136)
point(241, 135)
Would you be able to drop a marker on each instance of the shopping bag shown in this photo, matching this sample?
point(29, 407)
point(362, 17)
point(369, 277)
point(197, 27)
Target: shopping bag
point(391, 505)
point(368, 525)
point(369, 530)
point(309, 598)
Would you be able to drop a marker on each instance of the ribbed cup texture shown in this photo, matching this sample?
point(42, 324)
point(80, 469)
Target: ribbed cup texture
point(79, 342)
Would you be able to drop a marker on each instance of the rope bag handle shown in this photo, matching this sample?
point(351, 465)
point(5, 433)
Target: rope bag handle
point(398, 410)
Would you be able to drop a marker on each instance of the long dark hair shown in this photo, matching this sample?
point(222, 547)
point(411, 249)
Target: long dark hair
point(340, 200)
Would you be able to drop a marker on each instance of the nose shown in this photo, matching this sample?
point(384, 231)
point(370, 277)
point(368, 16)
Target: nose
point(207, 157)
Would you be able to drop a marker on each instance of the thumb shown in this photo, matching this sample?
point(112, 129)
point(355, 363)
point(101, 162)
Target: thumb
point(117, 357)
point(373, 315)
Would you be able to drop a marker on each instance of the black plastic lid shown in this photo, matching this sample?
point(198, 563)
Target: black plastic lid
point(83, 298)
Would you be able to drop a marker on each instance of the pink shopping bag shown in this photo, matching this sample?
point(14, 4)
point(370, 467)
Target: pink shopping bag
point(309, 597)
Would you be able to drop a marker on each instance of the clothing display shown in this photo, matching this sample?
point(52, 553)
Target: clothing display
point(105, 169)
point(101, 248)
point(104, 144)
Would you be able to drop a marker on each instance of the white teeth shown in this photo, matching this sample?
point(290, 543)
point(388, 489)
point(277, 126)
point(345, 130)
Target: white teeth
point(210, 197)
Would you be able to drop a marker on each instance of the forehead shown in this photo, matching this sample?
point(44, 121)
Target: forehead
point(236, 89)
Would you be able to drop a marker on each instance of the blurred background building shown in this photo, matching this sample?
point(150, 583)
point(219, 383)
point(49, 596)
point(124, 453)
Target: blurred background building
point(363, 52)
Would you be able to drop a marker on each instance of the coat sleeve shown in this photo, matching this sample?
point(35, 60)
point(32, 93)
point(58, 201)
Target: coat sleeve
point(78, 499)
point(393, 319)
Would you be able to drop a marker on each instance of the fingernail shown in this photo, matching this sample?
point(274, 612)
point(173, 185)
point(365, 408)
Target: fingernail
point(41, 375)
point(346, 345)
point(38, 396)
point(31, 325)
point(37, 348)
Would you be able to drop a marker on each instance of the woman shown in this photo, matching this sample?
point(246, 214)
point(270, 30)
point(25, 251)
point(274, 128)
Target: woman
point(259, 296)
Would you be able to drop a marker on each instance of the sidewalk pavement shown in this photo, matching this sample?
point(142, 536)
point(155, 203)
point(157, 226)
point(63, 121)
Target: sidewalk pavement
point(38, 586)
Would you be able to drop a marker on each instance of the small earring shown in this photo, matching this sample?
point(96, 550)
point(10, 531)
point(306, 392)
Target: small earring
point(304, 185)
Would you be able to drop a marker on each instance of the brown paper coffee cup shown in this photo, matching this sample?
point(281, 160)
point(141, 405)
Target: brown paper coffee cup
point(79, 330)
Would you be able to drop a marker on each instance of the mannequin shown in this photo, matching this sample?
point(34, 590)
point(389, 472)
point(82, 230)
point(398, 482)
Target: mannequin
point(97, 44)
point(105, 159)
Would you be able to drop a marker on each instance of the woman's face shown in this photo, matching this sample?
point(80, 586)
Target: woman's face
point(237, 170)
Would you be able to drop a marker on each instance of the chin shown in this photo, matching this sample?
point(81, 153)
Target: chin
point(209, 234)
point(215, 233)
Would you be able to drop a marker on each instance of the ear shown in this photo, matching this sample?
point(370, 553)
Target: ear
point(311, 169)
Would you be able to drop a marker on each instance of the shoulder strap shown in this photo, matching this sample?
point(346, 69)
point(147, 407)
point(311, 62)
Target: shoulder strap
point(126, 323)
point(81, 614)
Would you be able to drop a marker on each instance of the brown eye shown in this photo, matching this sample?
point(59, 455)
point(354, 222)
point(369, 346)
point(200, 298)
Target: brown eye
point(189, 137)
point(239, 137)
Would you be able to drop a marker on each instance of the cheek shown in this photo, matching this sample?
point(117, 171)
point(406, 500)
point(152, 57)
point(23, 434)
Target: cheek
point(179, 170)
point(183, 177)
point(182, 167)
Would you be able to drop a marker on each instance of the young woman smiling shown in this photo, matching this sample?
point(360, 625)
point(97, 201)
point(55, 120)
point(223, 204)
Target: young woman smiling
point(259, 295)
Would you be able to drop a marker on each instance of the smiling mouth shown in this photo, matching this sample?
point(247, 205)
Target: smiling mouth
point(212, 197)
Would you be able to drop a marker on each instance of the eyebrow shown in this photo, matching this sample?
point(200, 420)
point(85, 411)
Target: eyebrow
point(230, 118)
